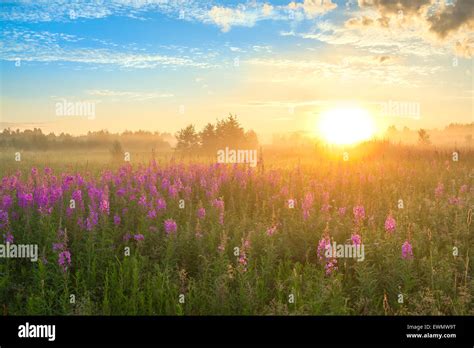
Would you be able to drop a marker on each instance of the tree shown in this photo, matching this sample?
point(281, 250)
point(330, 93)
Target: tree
point(188, 139)
point(225, 133)
point(423, 137)
point(208, 138)
point(229, 133)
point(251, 139)
point(391, 130)
point(116, 150)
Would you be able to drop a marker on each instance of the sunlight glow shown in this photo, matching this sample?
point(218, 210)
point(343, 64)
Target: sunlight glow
point(345, 126)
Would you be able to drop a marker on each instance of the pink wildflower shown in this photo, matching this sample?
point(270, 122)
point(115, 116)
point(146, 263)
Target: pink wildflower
point(390, 224)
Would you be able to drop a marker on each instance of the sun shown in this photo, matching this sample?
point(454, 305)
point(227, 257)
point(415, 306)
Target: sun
point(345, 126)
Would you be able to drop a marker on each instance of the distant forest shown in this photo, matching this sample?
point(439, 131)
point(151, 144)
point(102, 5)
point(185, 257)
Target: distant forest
point(36, 140)
point(226, 132)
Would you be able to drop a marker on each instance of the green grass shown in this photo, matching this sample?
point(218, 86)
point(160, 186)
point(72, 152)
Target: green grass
point(161, 268)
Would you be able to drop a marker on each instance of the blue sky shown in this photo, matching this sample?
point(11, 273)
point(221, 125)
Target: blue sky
point(157, 64)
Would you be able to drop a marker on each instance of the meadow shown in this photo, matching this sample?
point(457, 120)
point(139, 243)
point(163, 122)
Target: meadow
point(177, 235)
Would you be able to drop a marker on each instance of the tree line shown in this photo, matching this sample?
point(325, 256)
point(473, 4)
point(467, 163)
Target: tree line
point(36, 140)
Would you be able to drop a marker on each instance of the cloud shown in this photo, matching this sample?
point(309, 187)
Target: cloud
point(244, 14)
point(66, 10)
point(376, 39)
point(267, 9)
point(241, 15)
point(378, 69)
point(313, 8)
point(189, 10)
point(388, 7)
point(465, 48)
point(26, 45)
point(366, 21)
point(226, 17)
point(382, 59)
point(138, 96)
point(441, 20)
point(451, 18)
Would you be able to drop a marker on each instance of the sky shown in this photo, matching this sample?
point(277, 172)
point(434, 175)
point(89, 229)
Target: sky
point(160, 65)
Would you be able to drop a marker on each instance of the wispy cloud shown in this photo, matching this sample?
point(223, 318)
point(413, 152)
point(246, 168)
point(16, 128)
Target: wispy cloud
point(245, 14)
point(375, 39)
point(381, 69)
point(226, 17)
point(66, 10)
point(128, 95)
point(313, 8)
point(25, 45)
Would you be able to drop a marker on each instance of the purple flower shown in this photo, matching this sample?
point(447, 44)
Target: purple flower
point(331, 266)
point(58, 246)
point(439, 190)
point(271, 230)
point(69, 212)
point(243, 260)
point(356, 240)
point(201, 213)
point(25, 199)
point(9, 237)
point(151, 214)
point(117, 220)
point(323, 245)
point(139, 237)
point(325, 248)
point(342, 211)
point(142, 201)
point(390, 224)
point(3, 218)
point(6, 202)
point(104, 206)
point(454, 200)
point(218, 204)
point(307, 204)
point(359, 213)
point(64, 260)
point(165, 183)
point(92, 220)
point(170, 226)
point(77, 195)
point(407, 251)
point(160, 204)
point(173, 191)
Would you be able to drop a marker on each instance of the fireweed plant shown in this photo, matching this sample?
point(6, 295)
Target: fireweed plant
point(196, 238)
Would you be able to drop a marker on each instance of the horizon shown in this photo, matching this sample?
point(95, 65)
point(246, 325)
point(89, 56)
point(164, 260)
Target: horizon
point(277, 65)
point(442, 136)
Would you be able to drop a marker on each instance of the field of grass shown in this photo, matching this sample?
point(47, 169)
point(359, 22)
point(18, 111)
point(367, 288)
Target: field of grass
point(184, 236)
